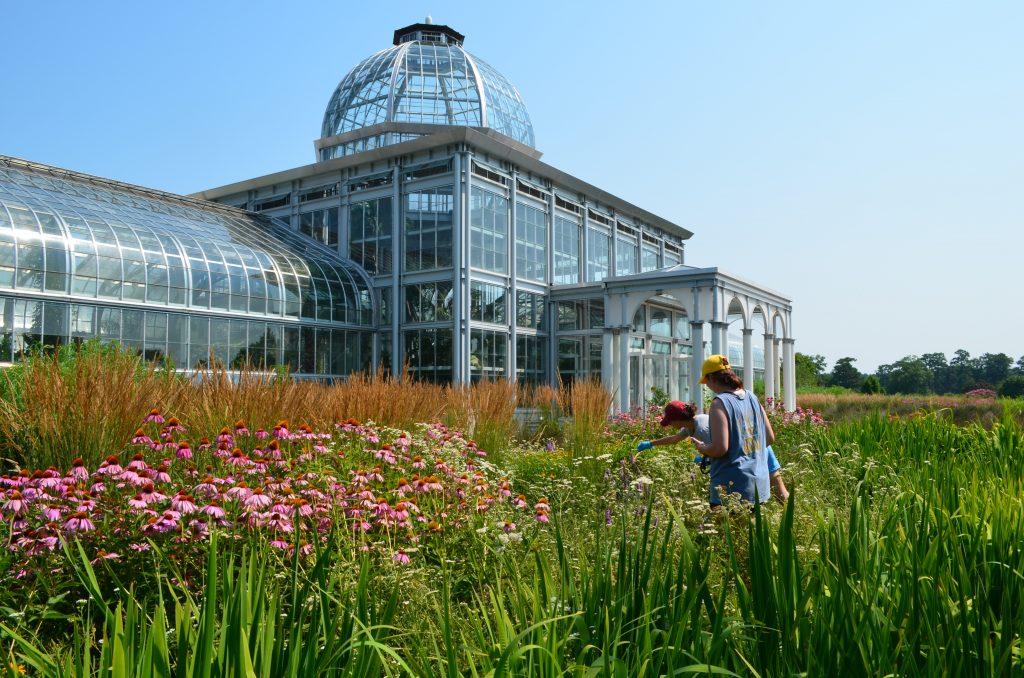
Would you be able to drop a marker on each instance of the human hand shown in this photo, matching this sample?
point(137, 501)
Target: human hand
point(645, 445)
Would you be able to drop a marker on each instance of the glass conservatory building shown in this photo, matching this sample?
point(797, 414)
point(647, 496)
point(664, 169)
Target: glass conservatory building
point(174, 278)
point(427, 234)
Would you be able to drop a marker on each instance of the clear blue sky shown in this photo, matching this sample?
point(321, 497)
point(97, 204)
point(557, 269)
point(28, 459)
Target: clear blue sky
point(866, 159)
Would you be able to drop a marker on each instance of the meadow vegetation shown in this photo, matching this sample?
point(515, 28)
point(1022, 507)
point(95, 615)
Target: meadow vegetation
point(221, 525)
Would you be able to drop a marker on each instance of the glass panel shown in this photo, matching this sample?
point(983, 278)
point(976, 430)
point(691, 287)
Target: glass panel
point(487, 303)
point(488, 244)
point(531, 243)
point(530, 310)
point(531, 359)
point(428, 229)
point(661, 322)
point(370, 224)
point(567, 251)
point(487, 352)
point(598, 255)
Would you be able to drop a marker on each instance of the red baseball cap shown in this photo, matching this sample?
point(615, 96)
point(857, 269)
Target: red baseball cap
point(675, 411)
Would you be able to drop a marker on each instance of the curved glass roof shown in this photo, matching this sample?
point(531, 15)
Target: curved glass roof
point(90, 238)
point(427, 82)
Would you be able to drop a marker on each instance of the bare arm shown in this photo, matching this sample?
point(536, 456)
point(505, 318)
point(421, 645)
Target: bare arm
point(719, 425)
point(671, 440)
point(769, 432)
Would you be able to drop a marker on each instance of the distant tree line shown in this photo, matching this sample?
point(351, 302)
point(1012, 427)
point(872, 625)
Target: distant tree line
point(929, 373)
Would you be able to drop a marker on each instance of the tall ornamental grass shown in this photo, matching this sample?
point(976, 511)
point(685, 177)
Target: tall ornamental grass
point(80, 401)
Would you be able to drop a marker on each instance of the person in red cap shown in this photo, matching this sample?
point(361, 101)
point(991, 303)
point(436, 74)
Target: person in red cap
point(684, 417)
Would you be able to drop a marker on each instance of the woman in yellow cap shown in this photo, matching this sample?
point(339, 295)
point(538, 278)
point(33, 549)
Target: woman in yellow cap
point(740, 435)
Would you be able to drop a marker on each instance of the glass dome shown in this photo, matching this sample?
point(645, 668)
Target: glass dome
point(79, 238)
point(427, 77)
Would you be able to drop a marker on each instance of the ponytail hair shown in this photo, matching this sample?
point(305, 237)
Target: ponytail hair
point(726, 378)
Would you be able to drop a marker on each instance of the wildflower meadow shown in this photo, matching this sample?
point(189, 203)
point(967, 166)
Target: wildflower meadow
point(222, 525)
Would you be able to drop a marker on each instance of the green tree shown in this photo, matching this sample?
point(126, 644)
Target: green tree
point(1012, 387)
point(871, 385)
point(961, 372)
point(845, 374)
point(908, 375)
point(809, 369)
point(937, 365)
point(994, 368)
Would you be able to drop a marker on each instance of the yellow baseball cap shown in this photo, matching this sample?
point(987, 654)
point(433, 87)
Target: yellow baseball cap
point(715, 363)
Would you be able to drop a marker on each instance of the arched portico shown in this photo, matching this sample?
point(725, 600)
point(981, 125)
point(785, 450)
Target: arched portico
point(710, 301)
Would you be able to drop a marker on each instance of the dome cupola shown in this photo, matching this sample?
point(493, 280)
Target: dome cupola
point(425, 78)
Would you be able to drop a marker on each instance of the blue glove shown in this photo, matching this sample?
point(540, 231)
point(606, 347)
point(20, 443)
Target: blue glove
point(645, 445)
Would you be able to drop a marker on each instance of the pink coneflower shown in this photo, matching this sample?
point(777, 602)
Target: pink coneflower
point(16, 505)
point(204, 444)
point(401, 558)
point(140, 438)
point(274, 450)
point(257, 499)
point(184, 450)
point(214, 510)
point(79, 522)
point(224, 436)
point(51, 512)
point(138, 463)
point(154, 416)
point(150, 495)
point(508, 526)
point(359, 476)
point(78, 471)
point(279, 522)
point(361, 526)
point(137, 503)
point(418, 463)
point(403, 488)
point(183, 503)
point(302, 507)
point(103, 555)
point(168, 522)
point(111, 466)
point(162, 476)
point(238, 458)
point(239, 491)
point(281, 431)
point(381, 507)
point(542, 516)
point(206, 488)
point(240, 428)
point(281, 544)
point(505, 489)
point(174, 426)
point(261, 434)
point(542, 504)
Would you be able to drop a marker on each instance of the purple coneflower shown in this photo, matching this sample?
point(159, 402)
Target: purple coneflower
point(79, 522)
point(257, 500)
point(140, 438)
point(16, 505)
point(184, 450)
point(401, 558)
point(240, 428)
point(154, 416)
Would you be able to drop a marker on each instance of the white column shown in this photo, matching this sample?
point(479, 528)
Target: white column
point(769, 365)
point(725, 339)
point(697, 333)
point(789, 374)
point(398, 265)
point(748, 358)
point(717, 347)
point(624, 366)
point(777, 355)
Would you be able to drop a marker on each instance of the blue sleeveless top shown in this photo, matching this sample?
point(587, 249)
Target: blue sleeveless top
point(744, 469)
